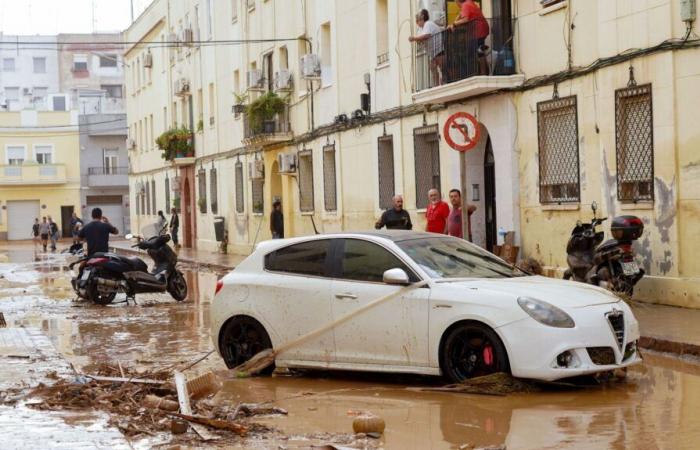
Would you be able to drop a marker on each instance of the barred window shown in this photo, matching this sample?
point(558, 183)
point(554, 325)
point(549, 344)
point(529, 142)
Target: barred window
point(240, 207)
point(557, 132)
point(167, 195)
point(330, 196)
point(142, 193)
point(148, 198)
point(213, 191)
point(634, 139)
point(426, 148)
point(385, 160)
point(202, 184)
point(306, 181)
point(154, 206)
point(257, 186)
point(139, 208)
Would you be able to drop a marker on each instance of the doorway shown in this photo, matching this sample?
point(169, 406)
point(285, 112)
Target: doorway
point(66, 216)
point(186, 214)
point(490, 197)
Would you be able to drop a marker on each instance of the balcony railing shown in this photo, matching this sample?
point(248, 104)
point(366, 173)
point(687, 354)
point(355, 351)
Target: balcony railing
point(276, 130)
point(469, 50)
point(32, 174)
point(108, 176)
point(108, 170)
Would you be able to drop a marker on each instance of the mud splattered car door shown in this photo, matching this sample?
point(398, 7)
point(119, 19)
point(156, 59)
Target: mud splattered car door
point(394, 333)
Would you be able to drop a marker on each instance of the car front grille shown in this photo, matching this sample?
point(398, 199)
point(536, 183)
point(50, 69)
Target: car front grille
point(617, 325)
point(601, 356)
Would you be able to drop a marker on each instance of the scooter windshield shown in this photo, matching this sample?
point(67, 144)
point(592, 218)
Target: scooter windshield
point(151, 230)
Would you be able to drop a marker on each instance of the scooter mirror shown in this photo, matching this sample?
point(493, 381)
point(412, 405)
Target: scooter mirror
point(129, 236)
point(594, 206)
point(578, 223)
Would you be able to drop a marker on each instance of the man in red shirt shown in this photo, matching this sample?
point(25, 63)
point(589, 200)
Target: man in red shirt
point(470, 11)
point(436, 214)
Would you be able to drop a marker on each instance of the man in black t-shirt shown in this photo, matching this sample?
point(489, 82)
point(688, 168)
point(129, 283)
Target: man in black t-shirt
point(277, 220)
point(395, 218)
point(97, 232)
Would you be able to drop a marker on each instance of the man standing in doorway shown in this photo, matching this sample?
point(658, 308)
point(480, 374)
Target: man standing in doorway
point(395, 218)
point(436, 214)
point(174, 226)
point(454, 221)
point(277, 220)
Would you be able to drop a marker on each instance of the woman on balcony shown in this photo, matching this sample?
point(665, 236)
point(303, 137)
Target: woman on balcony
point(429, 34)
point(470, 30)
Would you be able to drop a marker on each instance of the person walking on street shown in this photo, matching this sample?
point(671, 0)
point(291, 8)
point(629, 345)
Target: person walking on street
point(436, 214)
point(53, 234)
point(97, 232)
point(454, 220)
point(162, 222)
point(35, 232)
point(174, 225)
point(44, 231)
point(75, 224)
point(277, 220)
point(395, 218)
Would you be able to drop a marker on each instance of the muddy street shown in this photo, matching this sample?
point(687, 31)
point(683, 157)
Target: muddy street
point(655, 408)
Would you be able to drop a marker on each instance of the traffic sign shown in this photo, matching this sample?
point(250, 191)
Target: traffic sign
point(462, 131)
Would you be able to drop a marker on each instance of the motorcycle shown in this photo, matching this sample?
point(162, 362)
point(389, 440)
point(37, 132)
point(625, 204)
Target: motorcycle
point(611, 264)
point(102, 276)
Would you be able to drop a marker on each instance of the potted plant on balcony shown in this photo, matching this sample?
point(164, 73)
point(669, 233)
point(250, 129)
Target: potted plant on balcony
point(239, 106)
point(261, 112)
point(175, 143)
point(176, 203)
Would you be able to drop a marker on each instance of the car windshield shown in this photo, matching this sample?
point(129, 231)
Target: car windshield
point(449, 257)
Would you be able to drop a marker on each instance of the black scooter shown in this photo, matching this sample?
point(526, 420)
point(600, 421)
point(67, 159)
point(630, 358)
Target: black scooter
point(610, 265)
point(103, 275)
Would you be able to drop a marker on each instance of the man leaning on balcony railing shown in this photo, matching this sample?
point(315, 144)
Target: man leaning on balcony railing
point(470, 13)
point(433, 46)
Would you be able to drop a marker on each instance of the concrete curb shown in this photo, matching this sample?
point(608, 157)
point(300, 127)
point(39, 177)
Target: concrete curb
point(666, 346)
point(212, 266)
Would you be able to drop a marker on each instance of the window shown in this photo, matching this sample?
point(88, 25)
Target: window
point(200, 106)
point(330, 196)
point(154, 208)
point(236, 82)
point(210, 11)
point(546, 3)
point(43, 154)
point(110, 160)
point(366, 261)
point(167, 195)
point(202, 202)
point(15, 155)
point(239, 188)
point(306, 258)
point(148, 198)
point(426, 148)
point(634, 141)
point(557, 132)
point(165, 118)
point(268, 71)
point(213, 191)
point(212, 102)
point(385, 163)
point(139, 208)
point(80, 64)
point(109, 60)
point(326, 55)
point(112, 90)
point(40, 92)
point(8, 64)
point(152, 141)
point(39, 64)
point(257, 193)
point(11, 93)
point(284, 58)
point(382, 27)
point(59, 103)
point(306, 181)
point(234, 10)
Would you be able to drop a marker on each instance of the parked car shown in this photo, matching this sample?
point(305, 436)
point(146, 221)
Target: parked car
point(476, 315)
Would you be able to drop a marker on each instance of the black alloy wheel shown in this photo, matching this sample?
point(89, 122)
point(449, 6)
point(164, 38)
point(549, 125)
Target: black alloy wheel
point(177, 286)
point(240, 339)
point(472, 350)
point(94, 295)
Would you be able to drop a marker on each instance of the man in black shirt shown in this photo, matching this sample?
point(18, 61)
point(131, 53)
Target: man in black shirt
point(395, 218)
point(97, 232)
point(174, 226)
point(277, 221)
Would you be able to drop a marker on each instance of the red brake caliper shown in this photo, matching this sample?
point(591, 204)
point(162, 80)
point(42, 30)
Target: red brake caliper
point(488, 355)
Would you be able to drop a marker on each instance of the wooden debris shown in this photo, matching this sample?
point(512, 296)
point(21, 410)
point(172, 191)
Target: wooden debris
point(215, 423)
point(155, 402)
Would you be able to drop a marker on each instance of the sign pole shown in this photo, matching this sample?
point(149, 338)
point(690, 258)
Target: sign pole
point(463, 191)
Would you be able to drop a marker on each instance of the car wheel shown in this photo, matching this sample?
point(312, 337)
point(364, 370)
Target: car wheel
point(240, 339)
point(471, 350)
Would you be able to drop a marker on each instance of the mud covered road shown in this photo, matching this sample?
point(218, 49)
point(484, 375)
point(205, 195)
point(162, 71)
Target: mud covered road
point(656, 408)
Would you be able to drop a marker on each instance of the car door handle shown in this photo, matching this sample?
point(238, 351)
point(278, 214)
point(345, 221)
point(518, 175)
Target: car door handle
point(345, 295)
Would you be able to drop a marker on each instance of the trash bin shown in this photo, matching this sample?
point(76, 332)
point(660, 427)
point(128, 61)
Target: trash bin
point(219, 228)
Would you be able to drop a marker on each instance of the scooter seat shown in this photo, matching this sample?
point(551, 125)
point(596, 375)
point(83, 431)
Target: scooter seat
point(135, 262)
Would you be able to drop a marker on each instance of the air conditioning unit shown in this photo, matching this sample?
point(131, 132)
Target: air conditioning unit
point(256, 170)
point(148, 60)
point(255, 79)
point(287, 162)
point(310, 66)
point(130, 144)
point(27, 91)
point(187, 36)
point(283, 80)
point(181, 87)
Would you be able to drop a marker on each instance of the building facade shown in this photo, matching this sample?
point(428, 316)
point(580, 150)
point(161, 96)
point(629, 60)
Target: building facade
point(368, 114)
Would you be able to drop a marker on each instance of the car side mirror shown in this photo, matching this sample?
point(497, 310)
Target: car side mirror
point(396, 276)
point(129, 236)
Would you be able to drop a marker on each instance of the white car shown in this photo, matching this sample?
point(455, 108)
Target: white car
point(476, 315)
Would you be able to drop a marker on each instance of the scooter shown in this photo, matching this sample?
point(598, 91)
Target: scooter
point(611, 264)
point(102, 276)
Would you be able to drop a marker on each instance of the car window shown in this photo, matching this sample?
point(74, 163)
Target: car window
point(306, 258)
point(366, 261)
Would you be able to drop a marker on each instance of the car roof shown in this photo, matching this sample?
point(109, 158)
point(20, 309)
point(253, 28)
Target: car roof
point(393, 235)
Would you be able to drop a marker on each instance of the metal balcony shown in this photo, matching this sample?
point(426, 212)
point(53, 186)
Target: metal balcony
point(268, 132)
point(108, 176)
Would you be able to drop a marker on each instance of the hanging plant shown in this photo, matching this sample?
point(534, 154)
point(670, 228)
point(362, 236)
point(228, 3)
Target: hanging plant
point(176, 203)
point(176, 143)
point(200, 126)
point(264, 109)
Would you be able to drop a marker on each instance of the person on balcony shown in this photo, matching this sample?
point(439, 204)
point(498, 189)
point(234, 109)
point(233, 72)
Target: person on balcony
point(429, 34)
point(474, 62)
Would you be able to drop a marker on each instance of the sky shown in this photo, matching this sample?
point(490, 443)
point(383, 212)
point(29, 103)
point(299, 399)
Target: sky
point(66, 16)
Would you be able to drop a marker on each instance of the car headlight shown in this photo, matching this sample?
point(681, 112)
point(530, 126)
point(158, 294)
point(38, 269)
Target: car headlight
point(546, 313)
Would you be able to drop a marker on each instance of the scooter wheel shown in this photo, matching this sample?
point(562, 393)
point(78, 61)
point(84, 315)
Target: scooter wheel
point(177, 286)
point(99, 299)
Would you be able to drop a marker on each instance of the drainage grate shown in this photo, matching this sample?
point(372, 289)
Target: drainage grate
point(617, 325)
point(601, 356)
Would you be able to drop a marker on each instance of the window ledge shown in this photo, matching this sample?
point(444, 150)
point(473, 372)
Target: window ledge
point(555, 7)
point(637, 206)
point(382, 66)
point(257, 214)
point(308, 213)
point(562, 207)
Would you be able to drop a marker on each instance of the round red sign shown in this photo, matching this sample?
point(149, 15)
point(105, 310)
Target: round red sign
point(462, 131)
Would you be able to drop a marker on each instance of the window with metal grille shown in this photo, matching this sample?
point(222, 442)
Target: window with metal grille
point(330, 196)
point(634, 139)
point(239, 188)
point(557, 132)
point(168, 205)
point(306, 181)
point(213, 191)
point(385, 163)
point(148, 198)
point(257, 186)
point(202, 202)
point(154, 208)
point(138, 204)
point(426, 149)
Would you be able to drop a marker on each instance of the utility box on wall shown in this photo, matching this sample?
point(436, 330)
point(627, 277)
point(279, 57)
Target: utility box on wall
point(688, 11)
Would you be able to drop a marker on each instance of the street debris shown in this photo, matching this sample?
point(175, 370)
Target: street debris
point(368, 423)
point(498, 384)
point(3, 324)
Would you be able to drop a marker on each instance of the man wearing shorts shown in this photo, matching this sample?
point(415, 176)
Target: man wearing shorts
point(44, 231)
